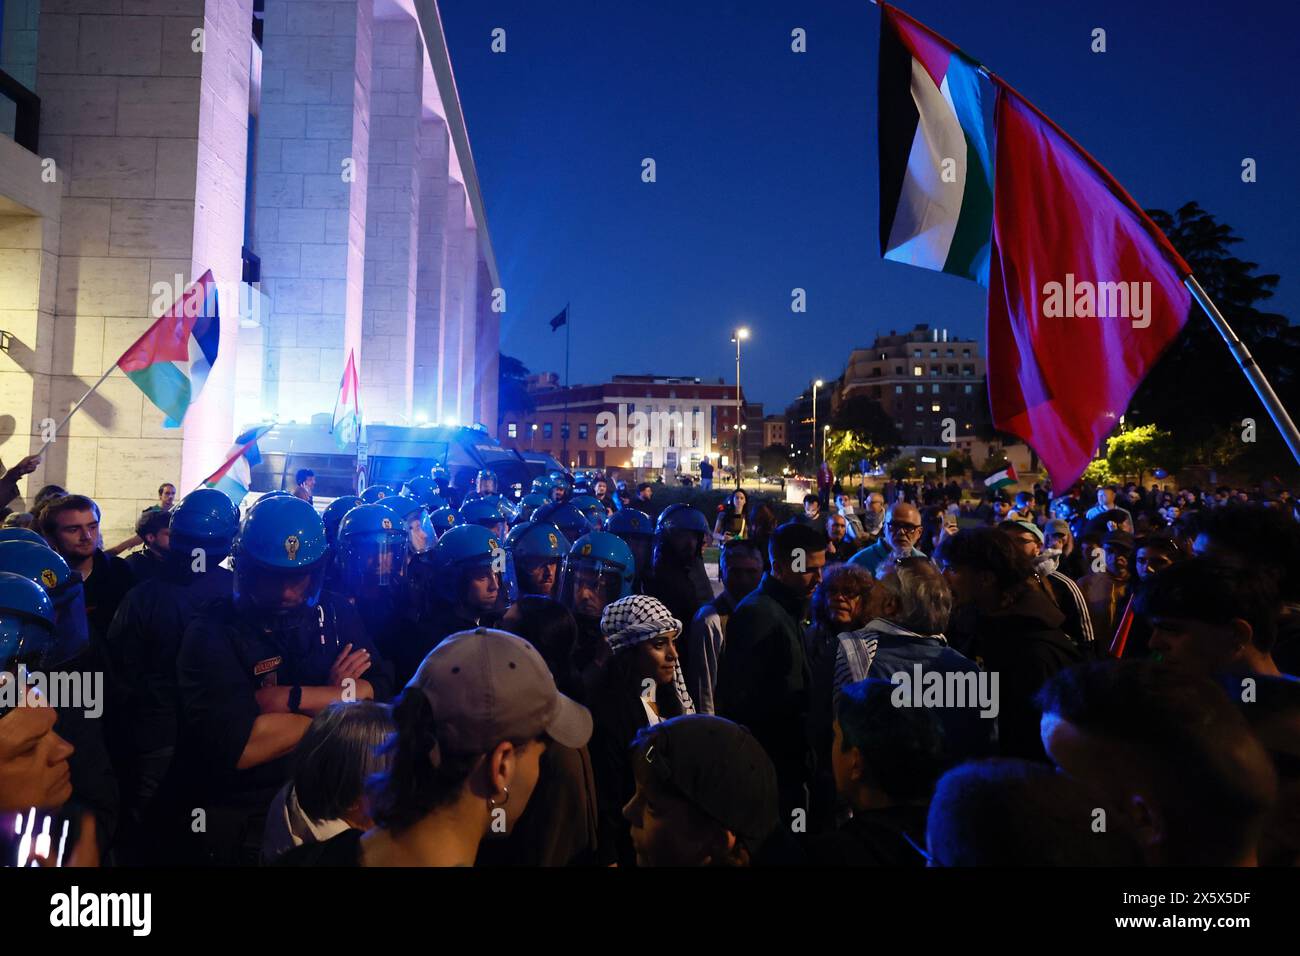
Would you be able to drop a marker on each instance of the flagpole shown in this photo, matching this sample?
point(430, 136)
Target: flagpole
point(1246, 362)
point(58, 428)
point(568, 323)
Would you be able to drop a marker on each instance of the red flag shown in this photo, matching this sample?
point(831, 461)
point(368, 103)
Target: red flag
point(1085, 292)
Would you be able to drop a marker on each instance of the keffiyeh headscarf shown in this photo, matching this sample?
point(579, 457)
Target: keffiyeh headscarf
point(636, 619)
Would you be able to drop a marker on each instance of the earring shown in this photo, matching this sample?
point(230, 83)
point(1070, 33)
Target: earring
point(492, 801)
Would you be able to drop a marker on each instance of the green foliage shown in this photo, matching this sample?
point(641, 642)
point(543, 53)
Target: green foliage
point(512, 391)
point(1097, 472)
point(1133, 452)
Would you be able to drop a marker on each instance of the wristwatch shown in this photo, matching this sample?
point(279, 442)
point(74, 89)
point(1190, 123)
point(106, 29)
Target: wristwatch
point(295, 699)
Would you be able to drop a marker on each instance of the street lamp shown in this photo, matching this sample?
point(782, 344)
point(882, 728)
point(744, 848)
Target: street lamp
point(737, 337)
point(816, 385)
point(532, 437)
point(826, 434)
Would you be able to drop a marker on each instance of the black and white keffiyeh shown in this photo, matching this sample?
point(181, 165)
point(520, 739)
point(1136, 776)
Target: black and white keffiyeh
point(636, 619)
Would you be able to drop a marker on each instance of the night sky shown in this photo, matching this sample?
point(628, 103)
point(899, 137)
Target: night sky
point(766, 162)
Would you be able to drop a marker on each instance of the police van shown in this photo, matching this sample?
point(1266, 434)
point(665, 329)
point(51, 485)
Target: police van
point(389, 455)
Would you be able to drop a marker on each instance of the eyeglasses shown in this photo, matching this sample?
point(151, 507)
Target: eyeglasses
point(904, 528)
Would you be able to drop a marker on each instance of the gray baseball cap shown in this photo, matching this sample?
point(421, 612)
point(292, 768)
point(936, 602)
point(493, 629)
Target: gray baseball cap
point(486, 686)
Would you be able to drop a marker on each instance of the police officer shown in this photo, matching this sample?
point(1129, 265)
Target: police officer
point(542, 485)
point(566, 517)
point(377, 544)
point(255, 669)
point(561, 487)
point(528, 504)
point(443, 520)
point(490, 513)
point(469, 566)
point(373, 493)
point(425, 491)
point(637, 529)
point(334, 513)
point(442, 478)
point(140, 653)
point(485, 485)
point(536, 552)
point(46, 567)
point(597, 572)
point(591, 509)
point(677, 576)
point(67, 649)
point(34, 767)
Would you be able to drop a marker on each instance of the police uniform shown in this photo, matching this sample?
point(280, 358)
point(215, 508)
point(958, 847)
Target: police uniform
point(225, 658)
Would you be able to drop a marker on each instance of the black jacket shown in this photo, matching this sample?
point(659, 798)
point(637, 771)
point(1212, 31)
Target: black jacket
point(764, 683)
point(1025, 646)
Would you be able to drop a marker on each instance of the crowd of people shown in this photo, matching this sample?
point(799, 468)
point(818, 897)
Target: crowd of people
point(434, 675)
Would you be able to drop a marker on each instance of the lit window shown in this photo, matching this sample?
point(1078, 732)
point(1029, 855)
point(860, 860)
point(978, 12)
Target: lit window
point(898, 390)
point(546, 430)
point(934, 408)
point(917, 370)
point(512, 430)
point(582, 431)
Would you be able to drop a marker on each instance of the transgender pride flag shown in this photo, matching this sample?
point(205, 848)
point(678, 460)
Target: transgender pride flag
point(171, 361)
point(234, 477)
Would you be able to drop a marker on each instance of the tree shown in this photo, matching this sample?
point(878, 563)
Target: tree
point(1196, 391)
point(773, 458)
point(1136, 451)
point(871, 425)
point(512, 389)
point(845, 451)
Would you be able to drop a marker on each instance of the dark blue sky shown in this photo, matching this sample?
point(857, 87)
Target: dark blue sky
point(766, 162)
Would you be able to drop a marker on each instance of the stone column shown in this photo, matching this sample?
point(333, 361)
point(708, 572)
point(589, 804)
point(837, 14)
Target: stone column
point(311, 188)
point(431, 287)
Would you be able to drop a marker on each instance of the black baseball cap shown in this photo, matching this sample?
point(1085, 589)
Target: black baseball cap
point(719, 767)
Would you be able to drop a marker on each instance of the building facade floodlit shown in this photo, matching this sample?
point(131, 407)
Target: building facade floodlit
point(313, 156)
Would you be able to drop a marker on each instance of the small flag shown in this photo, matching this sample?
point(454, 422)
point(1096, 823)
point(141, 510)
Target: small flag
point(234, 477)
point(347, 408)
point(1000, 479)
point(171, 361)
point(561, 319)
point(936, 168)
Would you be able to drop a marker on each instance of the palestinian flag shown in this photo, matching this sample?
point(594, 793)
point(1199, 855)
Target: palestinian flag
point(347, 407)
point(936, 166)
point(171, 361)
point(1000, 479)
point(234, 477)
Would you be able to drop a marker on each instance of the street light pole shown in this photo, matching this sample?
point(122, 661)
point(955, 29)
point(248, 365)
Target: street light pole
point(741, 333)
point(816, 385)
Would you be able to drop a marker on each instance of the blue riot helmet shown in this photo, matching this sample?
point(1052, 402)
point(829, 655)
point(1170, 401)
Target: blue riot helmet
point(375, 493)
point(490, 512)
point(527, 505)
point(591, 509)
point(277, 493)
point(372, 551)
point(205, 520)
point(485, 482)
point(425, 491)
point(564, 516)
point(20, 534)
point(334, 513)
point(443, 520)
point(413, 521)
point(682, 531)
point(468, 563)
point(561, 486)
point(26, 623)
point(46, 567)
point(637, 529)
point(598, 570)
point(534, 558)
point(542, 485)
point(280, 556)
